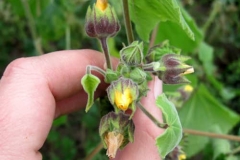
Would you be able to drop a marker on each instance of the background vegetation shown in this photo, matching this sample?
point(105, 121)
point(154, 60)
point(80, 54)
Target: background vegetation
point(31, 27)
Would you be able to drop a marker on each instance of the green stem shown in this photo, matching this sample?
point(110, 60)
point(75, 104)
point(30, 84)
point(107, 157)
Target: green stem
point(105, 51)
point(95, 68)
point(94, 152)
point(154, 120)
point(32, 27)
point(68, 37)
point(127, 20)
point(212, 135)
point(153, 36)
point(213, 14)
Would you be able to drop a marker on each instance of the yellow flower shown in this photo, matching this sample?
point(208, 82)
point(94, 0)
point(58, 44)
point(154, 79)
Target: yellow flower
point(123, 100)
point(102, 4)
point(188, 88)
point(182, 156)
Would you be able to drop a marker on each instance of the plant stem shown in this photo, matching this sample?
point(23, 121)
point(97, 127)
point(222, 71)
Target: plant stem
point(32, 27)
point(155, 121)
point(213, 135)
point(68, 37)
point(127, 21)
point(105, 51)
point(95, 68)
point(235, 151)
point(213, 14)
point(153, 36)
point(94, 152)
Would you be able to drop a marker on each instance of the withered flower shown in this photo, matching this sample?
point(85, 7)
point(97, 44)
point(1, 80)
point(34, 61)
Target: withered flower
point(116, 131)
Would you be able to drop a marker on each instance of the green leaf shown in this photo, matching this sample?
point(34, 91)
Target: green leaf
point(173, 134)
point(206, 56)
point(177, 37)
point(221, 146)
point(90, 84)
point(146, 15)
point(201, 112)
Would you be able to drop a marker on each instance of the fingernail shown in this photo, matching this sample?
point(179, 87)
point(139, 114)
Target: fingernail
point(157, 87)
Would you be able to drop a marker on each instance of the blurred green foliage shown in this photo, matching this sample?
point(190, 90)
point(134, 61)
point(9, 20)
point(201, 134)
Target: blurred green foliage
point(29, 27)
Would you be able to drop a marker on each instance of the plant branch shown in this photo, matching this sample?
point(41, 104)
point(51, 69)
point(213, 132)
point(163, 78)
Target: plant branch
point(154, 120)
point(32, 27)
point(212, 135)
point(105, 51)
point(94, 152)
point(127, 21)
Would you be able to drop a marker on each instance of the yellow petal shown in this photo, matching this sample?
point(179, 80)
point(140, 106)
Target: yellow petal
point(102, 4)
point(123, 100)
point(188, 88)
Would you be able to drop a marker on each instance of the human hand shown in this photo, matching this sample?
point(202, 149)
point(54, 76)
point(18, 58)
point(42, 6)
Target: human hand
point(35, 90)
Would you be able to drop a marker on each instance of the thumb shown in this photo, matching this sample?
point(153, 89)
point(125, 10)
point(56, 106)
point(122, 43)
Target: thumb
point(146, 131)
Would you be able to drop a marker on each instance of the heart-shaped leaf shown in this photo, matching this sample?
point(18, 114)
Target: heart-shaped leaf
point(173, 134)
point(90, 84)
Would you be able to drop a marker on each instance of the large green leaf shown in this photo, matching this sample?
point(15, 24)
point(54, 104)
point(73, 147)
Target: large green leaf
point(177, 37)
point(146, 14)
point(201, 112)
point(173, 134)
point(90, 84)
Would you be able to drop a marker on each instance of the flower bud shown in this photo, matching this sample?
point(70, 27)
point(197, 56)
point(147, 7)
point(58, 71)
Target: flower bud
point(133, 54)
point(101, 20)
point(123, 94)
point(116, 131)
point(172, 69)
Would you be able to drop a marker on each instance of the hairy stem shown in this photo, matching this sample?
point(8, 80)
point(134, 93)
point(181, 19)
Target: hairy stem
point(212, 135)
point(155, 121)
point(32, 27)
point(94, 152)
point(105, 51)
point(94, 68)
point(127, 20)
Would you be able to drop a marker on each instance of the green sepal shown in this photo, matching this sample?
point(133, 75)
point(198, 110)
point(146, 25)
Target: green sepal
point(156, 52)
point(138, 75)
point(119, 123)
point(121, 85)
point(173, 134)
point(132, 55)
point(111, 76)
point(90, 84)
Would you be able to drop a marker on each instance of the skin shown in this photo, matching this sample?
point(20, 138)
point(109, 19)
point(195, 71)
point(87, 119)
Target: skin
point(36, 90)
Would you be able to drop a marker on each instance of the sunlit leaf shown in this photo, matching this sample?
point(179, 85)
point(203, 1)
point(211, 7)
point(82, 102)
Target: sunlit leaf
point(146, 14)
point(173, 134)
point(90, 84)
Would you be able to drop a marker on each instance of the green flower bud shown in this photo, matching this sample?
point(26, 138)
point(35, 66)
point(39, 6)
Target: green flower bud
point(111, 76)
point(156, 52)
point(132, 55)
point(116, 131)
point(123, 94)
point(138, 75)
point(101, 20)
